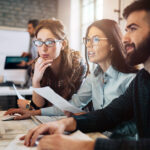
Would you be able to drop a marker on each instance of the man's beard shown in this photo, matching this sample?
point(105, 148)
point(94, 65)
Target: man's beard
point(140, 54)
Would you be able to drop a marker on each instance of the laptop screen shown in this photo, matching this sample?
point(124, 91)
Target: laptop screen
point(15, 62)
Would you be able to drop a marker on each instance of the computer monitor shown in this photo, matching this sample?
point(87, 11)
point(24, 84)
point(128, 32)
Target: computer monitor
point(13, 71)
point(13, 62)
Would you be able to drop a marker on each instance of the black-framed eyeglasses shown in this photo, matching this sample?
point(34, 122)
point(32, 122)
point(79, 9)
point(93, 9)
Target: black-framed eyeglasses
point(48, 43)
point(94, 40)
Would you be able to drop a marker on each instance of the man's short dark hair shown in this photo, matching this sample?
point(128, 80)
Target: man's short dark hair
point(34, 22)
point(136, 6)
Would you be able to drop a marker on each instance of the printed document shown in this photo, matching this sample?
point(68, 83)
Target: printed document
point(16, 144)
point(56, 100)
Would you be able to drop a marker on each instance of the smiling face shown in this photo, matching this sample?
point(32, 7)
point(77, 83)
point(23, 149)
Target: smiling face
point(48, 52)
point(100, 52)
point(137, 38)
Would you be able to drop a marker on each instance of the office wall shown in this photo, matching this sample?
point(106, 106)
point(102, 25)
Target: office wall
point(75, 25)
point(13, 42)
point(124, 4)
point(16, 13)
point(63, 13)
point(109, 10)
point(69, 13)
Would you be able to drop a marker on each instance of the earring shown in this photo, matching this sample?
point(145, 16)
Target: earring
point(111, 49)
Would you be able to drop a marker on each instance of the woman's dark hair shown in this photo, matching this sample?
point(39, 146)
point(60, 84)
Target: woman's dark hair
point(136, 6)
point(112, 31)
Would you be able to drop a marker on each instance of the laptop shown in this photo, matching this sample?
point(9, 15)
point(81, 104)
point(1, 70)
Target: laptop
point(13, 71)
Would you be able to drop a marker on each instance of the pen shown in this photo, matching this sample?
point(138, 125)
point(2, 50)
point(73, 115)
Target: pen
point(36, 120)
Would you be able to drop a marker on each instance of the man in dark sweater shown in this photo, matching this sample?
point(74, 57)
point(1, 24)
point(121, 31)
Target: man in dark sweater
point(133, 104)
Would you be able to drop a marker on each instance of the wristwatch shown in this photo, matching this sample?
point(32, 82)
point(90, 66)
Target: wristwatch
point(28, 105)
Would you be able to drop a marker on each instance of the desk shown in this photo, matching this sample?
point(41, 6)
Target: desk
point(15, 128)
point(11, 129)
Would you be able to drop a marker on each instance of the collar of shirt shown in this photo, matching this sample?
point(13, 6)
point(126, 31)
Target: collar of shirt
point(111, 72)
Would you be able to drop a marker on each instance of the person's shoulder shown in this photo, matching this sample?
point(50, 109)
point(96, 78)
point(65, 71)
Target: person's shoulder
point(143, 74)
point(132, 78)
point(133, 75)
point(127, 75)
point(126, 78)
point(142, 71)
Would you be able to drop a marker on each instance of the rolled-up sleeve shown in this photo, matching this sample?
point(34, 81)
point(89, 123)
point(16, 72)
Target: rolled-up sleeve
point(51, 111)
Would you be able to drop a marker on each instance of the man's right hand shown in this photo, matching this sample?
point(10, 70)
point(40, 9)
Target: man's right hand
point(25, 114)
point(56, 127)
point(47, 128)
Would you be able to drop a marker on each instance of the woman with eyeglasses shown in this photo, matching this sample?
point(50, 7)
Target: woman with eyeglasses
point(57, 65)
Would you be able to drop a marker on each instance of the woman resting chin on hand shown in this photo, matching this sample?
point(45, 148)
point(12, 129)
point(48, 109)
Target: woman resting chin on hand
point(39, 69)
point(58, 66)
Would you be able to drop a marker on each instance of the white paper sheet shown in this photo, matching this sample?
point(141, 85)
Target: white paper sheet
point(16, 144)
point(18, 94)
point(56, 100)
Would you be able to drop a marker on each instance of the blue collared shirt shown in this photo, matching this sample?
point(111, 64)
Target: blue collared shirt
point(99, 87)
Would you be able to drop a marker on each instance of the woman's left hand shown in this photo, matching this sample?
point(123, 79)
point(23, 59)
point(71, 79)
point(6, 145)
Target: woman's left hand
point(22, 103)
point(64, 142)
point(25, 114)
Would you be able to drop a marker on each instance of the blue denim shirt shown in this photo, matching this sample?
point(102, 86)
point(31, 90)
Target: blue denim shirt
point(99, 87)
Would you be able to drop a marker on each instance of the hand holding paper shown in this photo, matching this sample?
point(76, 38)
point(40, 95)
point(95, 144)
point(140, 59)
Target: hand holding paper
point(56, 100)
